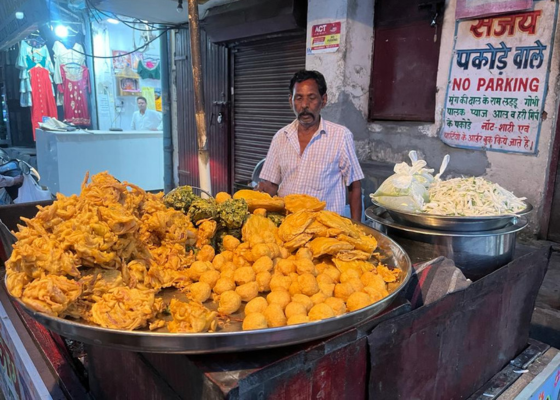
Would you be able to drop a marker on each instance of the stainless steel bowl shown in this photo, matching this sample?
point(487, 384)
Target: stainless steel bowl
point(453, 223)
point(232, 338)
point(475, 253)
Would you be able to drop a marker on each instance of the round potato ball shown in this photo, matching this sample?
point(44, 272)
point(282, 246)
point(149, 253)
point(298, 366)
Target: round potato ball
point(244, 275)
point(254, 321)
point(358, 300)
point(333, 272)
point(324, 278)
point(200, 291)
point(327, 289)
point(248, 291)
point(210, 277)
point(318, 298)
point(308, 284)
point(206, 253)
point(343, 290)
point(229, 302)
point(223, 285)
point(338, 305)
point(274, 316)
point(228, 254)
point(279, 282)
point(219, 261)
point(197, 268)
point(280, 297)
point(305, 265)
point(257, 305)
point(295, 308)
point(286, 266)
point(263, 264)
point(263, 280)
point(294, 288)
point(373, 293)
point(356, 283)
point(303, 299)
point(320, 311)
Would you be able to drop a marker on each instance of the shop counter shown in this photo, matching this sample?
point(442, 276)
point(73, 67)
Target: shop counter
point(63, 158)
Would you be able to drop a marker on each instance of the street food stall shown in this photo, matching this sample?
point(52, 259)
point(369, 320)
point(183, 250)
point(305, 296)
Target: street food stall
point(157, 331)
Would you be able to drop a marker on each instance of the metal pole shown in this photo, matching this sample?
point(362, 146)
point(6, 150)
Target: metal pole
point(200, 115)
point(167, 142)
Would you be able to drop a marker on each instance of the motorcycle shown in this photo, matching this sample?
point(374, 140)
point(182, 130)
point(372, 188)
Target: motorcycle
point(12, 168)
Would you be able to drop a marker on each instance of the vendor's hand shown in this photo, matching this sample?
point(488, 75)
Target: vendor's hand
point(268, 187)
point(18, 180)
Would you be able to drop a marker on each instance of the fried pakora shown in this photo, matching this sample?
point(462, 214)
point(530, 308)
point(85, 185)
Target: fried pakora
point(127, 309)
point(256, 200)
point(191, 317)
point(303, 202)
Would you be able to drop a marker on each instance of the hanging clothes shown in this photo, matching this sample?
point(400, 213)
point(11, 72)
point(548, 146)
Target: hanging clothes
point(75, 87)
point(149, 94)
point(149, 69)
point(28, 58)
point(43, 104)
point(63, 56)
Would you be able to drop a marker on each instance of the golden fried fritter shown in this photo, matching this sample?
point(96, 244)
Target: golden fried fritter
point(124, 308)
point(191, 317)
point(303, 202)
point(51, 294)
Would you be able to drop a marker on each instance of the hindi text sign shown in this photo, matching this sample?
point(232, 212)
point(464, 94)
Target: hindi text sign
point(498, 80)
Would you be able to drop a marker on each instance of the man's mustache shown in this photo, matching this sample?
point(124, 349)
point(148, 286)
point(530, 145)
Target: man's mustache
point(304, 113)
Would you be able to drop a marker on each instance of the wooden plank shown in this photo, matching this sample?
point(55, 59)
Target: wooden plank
point(461, 340)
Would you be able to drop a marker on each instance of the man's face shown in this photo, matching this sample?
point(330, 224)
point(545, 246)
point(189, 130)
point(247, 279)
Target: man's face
point(141, 105)
point(307, 102)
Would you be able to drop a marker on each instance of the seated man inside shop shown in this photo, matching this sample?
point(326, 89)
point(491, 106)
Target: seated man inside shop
point(144, 119)
point(311, 155)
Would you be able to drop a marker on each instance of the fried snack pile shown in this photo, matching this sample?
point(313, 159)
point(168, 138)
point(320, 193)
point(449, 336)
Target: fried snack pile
point(105, 255)
point(101, 256)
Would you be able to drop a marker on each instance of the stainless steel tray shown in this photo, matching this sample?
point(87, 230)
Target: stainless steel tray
point(452, 223)
point(232, 338)
point(475, 253)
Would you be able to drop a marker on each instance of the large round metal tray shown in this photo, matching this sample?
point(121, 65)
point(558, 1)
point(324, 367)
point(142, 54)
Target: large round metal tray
point(231, 338)
point(453, 223)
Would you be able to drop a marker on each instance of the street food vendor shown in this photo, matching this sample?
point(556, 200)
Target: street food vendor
point(312, 155)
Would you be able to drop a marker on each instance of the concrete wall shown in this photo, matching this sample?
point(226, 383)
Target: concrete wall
point(381, 144)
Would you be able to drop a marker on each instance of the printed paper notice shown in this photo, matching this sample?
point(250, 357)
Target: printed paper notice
point(325, 38)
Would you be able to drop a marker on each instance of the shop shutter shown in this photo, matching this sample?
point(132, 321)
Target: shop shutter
point(262, 73)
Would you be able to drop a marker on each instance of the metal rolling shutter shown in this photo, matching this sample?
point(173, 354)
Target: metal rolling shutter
point(262, 73)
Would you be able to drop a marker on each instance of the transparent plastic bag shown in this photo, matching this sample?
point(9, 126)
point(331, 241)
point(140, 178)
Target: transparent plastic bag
point(30, 191)
point(407, 189)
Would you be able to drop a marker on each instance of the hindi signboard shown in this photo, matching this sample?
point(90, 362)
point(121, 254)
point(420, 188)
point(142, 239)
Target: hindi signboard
point(498, 81)
point(325, 38)
point(482, 8)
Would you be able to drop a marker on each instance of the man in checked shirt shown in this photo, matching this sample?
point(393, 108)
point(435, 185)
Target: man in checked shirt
point(311, 155)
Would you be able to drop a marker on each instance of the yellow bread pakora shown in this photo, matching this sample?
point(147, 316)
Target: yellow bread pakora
point(321, 246)
point(191, 317)
point(303, 202)
point(338, 224)
point(295, 224)
point(257, 200)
